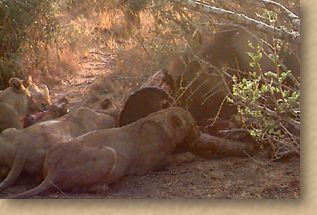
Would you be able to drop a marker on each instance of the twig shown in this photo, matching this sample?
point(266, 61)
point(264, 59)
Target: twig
point(183, 90)
point(217, 115)
point(294, 123)
point(293, 17)
point(143, 47)
point(255, 160)
point(170, 172)
point(59, 190)
point(232, 130)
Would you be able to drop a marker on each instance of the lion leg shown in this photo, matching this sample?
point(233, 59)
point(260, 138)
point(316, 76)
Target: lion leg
point(45, 185)
point(9, 118)
point(17, 167)
point(209, 146)
point(91, 168)
point(81, 166)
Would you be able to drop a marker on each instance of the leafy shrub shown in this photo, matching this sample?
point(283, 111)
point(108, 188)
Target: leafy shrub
point(27, 24)
point(268, 103)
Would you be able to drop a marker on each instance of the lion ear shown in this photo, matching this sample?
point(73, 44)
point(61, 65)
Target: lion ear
point(45, 89)
point(16, 84)
point(28, 81)
point(46, 92)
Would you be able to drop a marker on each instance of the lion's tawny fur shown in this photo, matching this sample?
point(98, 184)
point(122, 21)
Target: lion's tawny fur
point(26, 149)
point(17, 101)
point(99, 158)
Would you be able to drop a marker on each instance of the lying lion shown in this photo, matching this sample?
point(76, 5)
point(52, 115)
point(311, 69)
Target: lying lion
point(17, 101)
point(25, 149)
point(14, 104)
point(94, 160)
point(40, 94)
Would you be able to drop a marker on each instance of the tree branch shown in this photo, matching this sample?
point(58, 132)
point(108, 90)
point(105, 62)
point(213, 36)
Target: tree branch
point(293, 17)
point(282, 33)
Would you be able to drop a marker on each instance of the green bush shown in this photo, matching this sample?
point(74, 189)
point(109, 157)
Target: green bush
point(25, 24)
point(268, 106)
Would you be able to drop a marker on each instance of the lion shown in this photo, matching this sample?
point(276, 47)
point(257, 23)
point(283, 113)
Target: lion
point(25, 149)
point(99, 158)
point(15, 102)
point(7, 154)
point(18, 100)
point(40, 94)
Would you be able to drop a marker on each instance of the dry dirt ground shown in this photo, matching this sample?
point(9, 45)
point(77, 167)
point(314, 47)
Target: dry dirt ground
point(189, 176)
point(196, 178)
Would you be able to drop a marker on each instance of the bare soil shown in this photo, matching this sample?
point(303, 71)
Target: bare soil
point(196, 178)
point(188, 176)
